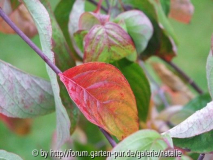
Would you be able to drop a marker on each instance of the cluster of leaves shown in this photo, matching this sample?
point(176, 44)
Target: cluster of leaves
point(114, 95)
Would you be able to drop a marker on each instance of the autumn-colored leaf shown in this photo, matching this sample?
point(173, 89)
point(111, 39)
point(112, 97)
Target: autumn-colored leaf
point(138, 26)
point(104, 97)
point(17, 125)
point(198, 123)
point(108, 43)
point(22, 19)
point(181, 10)
point(139, 85)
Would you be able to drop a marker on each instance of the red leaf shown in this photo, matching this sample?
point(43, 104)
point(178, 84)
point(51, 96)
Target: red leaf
point(104, 97)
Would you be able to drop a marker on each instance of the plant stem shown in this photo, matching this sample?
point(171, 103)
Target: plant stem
point(108, 136)
point(45, 58)
point(96, 4)
point(29, 42)
point(160, 91)
point(201, 157)
point(186, 77)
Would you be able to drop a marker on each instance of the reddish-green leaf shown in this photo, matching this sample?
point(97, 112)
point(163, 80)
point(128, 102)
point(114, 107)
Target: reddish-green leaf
point(108, 43)
point(181, 10)
point(138, 26)
point(104, 96)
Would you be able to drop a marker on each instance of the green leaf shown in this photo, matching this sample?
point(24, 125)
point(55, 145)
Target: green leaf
point(163, 41)
point(165, 6)
point(138, 26)
point(79, 38)
point(23, 95)
point(209, 73)
point(64, 61)
point(139, 85)
point(199, 143)
point(62, 12)
point(4, 155)
point(143, 140)
point(43, 24)
point(77, 9)
point(108, 43)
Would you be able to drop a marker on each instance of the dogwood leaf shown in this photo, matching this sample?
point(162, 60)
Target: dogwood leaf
point(4, 155)
point(43, 24)
point(138, 26)
point(104, 96)
point(23, 95)
point(108, 43)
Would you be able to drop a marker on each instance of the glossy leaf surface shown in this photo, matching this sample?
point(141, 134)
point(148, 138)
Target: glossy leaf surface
point(23, 95)
point(138, 26)
point(104, 97)
point(139, 84)
point(143, 140)
point(44, 27)
point(107, 43)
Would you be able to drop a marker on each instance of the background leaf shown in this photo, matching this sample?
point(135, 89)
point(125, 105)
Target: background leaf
point(23, 95)
point(139, 84)
point(138, 26)
point(107, 43)
point(104, 97)
point(143, 140)
point(43, 24)
point(181, 10)
point(87, 21)
point(4, 155)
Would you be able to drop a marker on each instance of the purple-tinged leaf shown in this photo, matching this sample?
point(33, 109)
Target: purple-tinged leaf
point(77, 10)
point(43, 24)
point(138, 26)
point(104, 97)
point(108, 43)
point(23, 95)
point(198, 123)
point(63, 60)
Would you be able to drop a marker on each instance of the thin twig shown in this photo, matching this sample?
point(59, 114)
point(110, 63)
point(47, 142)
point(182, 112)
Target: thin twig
point(160, 91)
point(45, 58)
point(201, 157)
point(102, 7)
point(186, 77)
